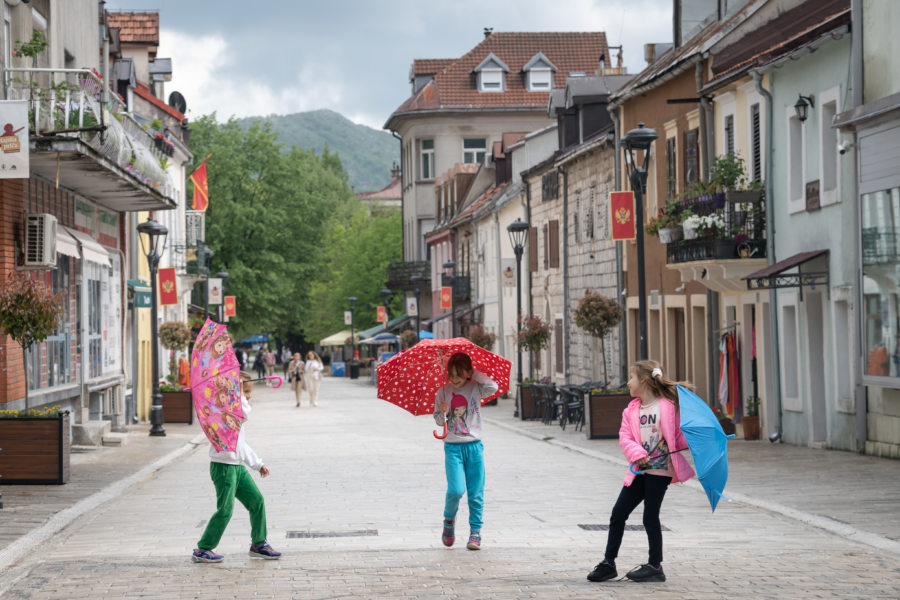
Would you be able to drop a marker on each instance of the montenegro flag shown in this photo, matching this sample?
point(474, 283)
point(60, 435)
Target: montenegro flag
point(201, 187)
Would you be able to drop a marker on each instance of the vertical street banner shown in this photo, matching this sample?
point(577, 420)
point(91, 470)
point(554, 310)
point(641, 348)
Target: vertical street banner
point(446, 297)
point(348, 317)
point(168, 288)
point(382, 314)
point(14, 139)
point(215, 290)
point(230, 306)
point(412, 309)
point(621, 205)
point(201, 187)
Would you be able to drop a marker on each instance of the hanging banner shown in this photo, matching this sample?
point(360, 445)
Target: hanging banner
point(621, 205)
point(412, 308)
point(215, 290)
point(446, 297)
point(382, 314)
point(348, 317)
point(168, 288)
point(230, 306)
point(14, 139)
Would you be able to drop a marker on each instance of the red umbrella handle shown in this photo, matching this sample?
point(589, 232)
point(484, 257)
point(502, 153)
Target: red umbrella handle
point(441, 436)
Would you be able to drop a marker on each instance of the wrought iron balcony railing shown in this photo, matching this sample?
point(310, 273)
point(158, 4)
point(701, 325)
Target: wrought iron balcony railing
point(462, 286)
point(399, 275)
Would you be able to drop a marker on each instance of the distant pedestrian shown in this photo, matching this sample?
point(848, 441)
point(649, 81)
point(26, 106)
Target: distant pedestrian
point(313, 377)
point(296, 371)
point(463, 450)
point(241, 357)
point(259, 365)
point(229, 474)
point(650, 438)
point(285, 360)
point(269, 361)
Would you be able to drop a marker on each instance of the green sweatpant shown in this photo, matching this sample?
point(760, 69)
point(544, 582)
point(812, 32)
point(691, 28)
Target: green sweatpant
point(233, 481)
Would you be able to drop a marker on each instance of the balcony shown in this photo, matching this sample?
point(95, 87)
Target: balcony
point(399, 274)
point(462, 286)
point(93, 148)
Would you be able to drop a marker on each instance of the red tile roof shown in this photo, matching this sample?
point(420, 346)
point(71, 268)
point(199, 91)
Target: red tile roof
point(430, 66)
point(454, 87)
point(393, 191)
point(143, 90)
point(136, 27)
point(489, 193)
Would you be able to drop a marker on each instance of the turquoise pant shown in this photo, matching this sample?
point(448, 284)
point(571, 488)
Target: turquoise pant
point(233, 481)
point(464, 464)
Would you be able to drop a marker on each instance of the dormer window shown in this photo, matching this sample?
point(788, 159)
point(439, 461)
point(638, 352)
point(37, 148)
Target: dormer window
point(491, 74)
point(539, 73)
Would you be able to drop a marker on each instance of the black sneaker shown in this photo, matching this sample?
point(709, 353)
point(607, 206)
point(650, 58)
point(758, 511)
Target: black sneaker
point(602, 572)
point(646, 573)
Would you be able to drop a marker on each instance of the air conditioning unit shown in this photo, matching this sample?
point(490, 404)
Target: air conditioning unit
point(40, 241)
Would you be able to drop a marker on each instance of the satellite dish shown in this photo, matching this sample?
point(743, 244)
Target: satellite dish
point(176, 101)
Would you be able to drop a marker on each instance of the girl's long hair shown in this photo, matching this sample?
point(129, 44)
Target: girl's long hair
point(661, 386)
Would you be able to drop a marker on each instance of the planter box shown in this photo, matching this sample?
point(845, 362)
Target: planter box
point(667, 235)
point(35, 451)
point(751, 427)
point(178, 407)
point(527, 410)
point(604, 415)
point(741, 197)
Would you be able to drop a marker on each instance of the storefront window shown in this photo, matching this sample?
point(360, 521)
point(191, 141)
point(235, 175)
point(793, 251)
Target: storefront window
point(881, 275)
point(49, 363)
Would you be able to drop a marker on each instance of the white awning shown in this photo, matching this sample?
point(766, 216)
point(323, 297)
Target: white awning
point(336, 339)
point(66, 244)
point(91, 250)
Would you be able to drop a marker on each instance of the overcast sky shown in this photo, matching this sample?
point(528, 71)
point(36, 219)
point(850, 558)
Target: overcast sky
point(250, 58)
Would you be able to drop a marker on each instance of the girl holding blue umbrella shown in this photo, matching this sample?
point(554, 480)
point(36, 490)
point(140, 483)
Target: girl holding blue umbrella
point(650, 437)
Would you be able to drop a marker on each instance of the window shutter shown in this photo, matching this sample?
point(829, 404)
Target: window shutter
point(559, 345)
point(546, 246)
point(532, 249)
point(757, 156)
point(554, 244)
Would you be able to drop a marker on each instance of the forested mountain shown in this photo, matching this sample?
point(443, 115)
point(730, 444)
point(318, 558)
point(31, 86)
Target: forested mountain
point(367, 153)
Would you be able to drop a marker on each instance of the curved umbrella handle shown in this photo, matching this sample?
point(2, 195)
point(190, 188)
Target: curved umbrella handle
point(441, 436)
point(277, 382)
point(631, 468)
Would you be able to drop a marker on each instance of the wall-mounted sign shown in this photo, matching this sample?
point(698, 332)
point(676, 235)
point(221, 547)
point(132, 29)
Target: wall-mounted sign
point(14, 139)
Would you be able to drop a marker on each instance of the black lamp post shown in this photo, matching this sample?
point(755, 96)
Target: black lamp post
point(639, 139)
point(351, 301)
point(153, 249)
point(518, 236)
point(223, 275)
point(416, 280)
point(207, 257)
point(386, 295)
point(450, 266)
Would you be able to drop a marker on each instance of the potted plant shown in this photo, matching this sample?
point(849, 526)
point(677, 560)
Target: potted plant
point(750, 420)
point(408, 339)
point(527, 409)
point(730, 178)
point(40, 454)
point(604, 411)
point(178, 407)
point(534, 336)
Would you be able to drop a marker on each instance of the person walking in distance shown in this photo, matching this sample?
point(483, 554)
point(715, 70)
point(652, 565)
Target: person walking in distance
point(269, 362)
point(296, 369)
point(313, 378)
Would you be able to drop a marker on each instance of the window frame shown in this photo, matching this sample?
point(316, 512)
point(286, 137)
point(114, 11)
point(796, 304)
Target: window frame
point(829, 138)
point(474, 151)
point(491, 81)
point(426, 160)
point(796, 153)
point(534, 86)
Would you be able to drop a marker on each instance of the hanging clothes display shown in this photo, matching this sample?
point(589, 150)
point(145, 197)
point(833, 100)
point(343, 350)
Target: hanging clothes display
point(729, 377)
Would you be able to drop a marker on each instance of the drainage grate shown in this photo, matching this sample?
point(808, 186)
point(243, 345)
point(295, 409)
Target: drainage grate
point(331, 534)
point(598, 527)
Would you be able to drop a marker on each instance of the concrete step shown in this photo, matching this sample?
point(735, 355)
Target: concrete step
point(90, 433)
point(115, 439)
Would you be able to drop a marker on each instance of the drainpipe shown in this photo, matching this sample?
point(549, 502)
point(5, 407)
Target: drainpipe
point(104, 94)
point(527, 206)
point(770, 253)
point(707, 144)
point(856, 95)
point(620, 273)
point(499, 278)
point(403, 176)
point(565, 271)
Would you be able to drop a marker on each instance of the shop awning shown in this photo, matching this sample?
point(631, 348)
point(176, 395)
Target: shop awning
point(91, 250)
point(393, 323)
point(137, 283)
point(336, 339)
point(774, 276)
point(66, 244)
point(436, 319)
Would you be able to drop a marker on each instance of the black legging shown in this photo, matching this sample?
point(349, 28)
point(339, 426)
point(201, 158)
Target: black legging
point(649, 489)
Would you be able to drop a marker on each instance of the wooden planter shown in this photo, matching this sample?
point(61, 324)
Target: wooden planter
point(604, 415)
point(751, 427)
point(527, 410)
point(178, 407)
point(35, 450)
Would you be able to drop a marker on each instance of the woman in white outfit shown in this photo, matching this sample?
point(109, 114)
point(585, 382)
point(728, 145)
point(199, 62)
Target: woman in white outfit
point(296, 371)
point(313, 376)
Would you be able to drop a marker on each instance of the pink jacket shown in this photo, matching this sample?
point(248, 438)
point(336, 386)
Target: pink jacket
point(630, 438)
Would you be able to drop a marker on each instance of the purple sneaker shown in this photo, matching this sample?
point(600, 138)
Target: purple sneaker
point(474, 541)
point(206, 556)
point(448, 536)
point(264, 550)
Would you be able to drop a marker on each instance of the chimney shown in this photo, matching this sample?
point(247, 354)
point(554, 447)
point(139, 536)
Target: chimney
point(488, 31)
point(395, 172)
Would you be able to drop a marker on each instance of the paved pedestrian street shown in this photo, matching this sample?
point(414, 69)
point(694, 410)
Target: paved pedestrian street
point(355, 504)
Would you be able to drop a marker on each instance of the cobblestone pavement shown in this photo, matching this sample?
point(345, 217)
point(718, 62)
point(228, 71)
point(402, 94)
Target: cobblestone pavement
point(368, 477)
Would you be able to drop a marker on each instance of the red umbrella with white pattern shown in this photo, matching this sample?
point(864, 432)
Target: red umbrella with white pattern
point(411, 378)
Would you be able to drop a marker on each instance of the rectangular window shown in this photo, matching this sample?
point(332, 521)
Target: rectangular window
point(558, 333)
point(554, 244)
point(490, 80)
point(550, 186)
point(671, 175)
point(589, 214)
point(94, 306)
point(756, 140)
point(427, 152)
point(55, 352)
point(828, 147)
point(691, 156)
point(539, 80)
point(575, 217)
point(796, 189)
point(881, 260)
point(474, 150)
point(532, 249)
point(729, 134)
point(790, 349)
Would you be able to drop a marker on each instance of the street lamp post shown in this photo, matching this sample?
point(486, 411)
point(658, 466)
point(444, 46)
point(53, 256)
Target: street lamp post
point(415, 279)
point(639, 139)
point(518, 235)
point(451, 267)
point(155, 246)
point(223, 275)
point(351, 301)
point(207, 257)
point(386, 295)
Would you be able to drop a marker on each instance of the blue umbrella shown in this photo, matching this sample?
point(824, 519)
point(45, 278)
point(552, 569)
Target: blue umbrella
point(707, 443)
point(381, 338)
point(426, 335)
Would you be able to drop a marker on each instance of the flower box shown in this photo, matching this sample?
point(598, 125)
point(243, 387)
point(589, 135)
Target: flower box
point(35, 450)
point(667, 235)
point(741, 197)
point(703, 248)
point(750, 426)
point(178, 407)
point(527, 409)
point(604, 414)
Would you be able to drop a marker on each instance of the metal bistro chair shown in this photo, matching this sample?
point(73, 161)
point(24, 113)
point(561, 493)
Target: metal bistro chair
point(551, 403)
point(572, 406)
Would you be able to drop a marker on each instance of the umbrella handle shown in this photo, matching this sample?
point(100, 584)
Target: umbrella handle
point(277, 382)
point(631, 468)
point(441, 436)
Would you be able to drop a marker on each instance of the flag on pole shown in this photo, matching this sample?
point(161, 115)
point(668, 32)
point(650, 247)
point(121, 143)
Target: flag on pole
point(201, 187)
point(382, 314)
point(168, 288)
point(446, 296)
point(621, 205)
point(230, 308)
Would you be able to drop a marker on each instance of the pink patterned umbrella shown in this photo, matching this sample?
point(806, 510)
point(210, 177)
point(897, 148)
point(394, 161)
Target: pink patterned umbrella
point(216, 386)
point(411, 378)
